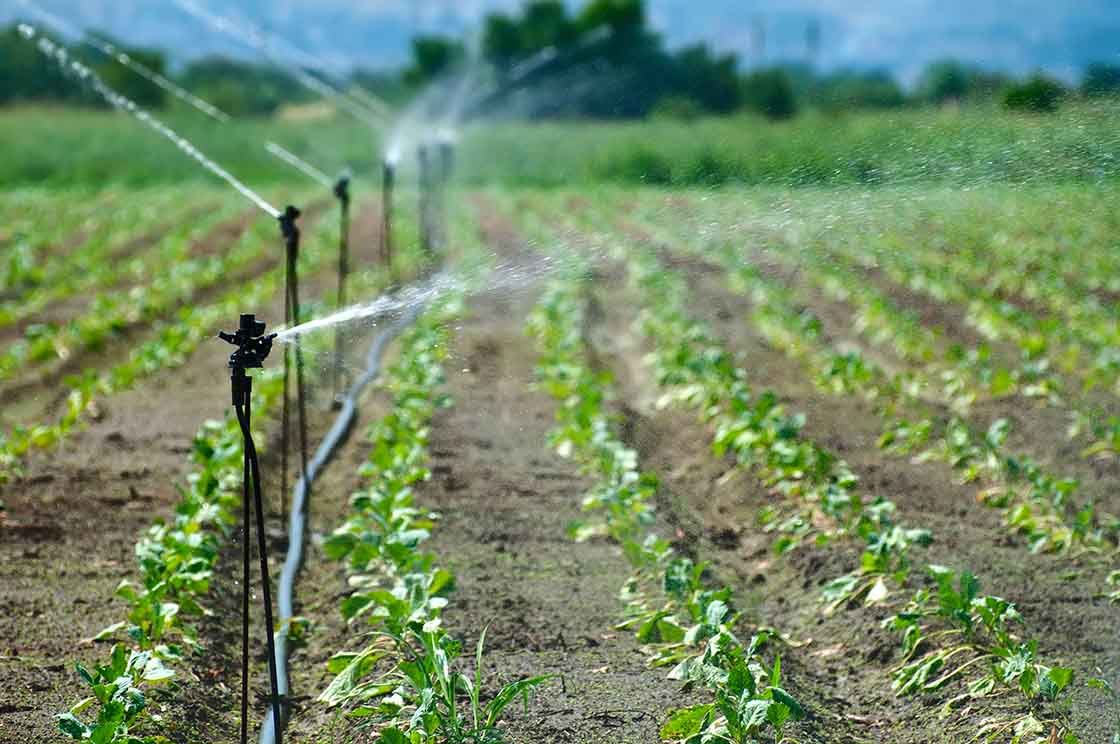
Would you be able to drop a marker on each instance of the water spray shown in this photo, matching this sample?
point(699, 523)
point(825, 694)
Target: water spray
point(253, 37)
point(539, 65)
point(65, 60)
point(253, 347)
point(65, 27)
point(341, 190)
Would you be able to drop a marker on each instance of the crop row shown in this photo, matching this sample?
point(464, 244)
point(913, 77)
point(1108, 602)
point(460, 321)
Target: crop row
point(817, 498)
point(176, 561)
point(173, 341)
point(95, 264)
point(682, 621)
point(1058, 326)
point(33, 224)
point(407, 681)
point(1042, 506)
point(114, 312)
point(696, 370)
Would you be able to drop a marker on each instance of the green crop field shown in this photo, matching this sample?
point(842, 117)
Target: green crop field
point(712, 431)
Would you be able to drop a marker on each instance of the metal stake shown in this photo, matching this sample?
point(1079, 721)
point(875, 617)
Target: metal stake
point(342, 192)
point(388, 179)
point(290, 231)
point(253, 347)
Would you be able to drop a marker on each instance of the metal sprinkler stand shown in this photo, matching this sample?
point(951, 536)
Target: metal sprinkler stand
point(446, 151)
point(388, 180)
point(291, 234)
point(253, 347)
point(342, 192)
point(426, 183)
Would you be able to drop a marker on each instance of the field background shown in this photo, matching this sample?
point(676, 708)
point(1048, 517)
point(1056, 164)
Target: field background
point(846, 189)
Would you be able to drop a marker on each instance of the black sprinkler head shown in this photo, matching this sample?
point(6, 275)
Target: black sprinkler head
point(253, 347)
point(288, 222)
point(342, 188)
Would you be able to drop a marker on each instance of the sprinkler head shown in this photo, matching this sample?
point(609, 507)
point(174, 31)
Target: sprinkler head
point(253, 347)
point(342, 188)
point(288, 223)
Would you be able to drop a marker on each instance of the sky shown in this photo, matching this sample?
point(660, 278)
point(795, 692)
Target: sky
point(902, 36)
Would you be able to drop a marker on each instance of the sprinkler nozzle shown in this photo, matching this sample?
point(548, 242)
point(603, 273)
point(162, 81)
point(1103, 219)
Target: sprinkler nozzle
point(342, 189)
point(288, 223)
point(253, 347)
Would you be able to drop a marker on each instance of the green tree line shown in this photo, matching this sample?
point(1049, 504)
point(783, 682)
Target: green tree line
point(601, 61)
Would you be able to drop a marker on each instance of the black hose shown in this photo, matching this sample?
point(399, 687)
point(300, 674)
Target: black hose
point(335, 438)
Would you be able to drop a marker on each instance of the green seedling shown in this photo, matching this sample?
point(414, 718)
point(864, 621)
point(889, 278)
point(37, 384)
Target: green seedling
point(116, 692)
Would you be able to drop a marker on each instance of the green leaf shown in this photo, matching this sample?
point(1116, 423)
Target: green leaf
point(110, 631)
point(753, 715)
point(787, 700)
point(392, 736)
point(69, 724)
point(1056, 680)
point(686, 722)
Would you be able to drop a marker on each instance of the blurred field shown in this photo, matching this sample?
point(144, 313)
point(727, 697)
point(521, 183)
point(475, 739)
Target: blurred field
point(969, 146)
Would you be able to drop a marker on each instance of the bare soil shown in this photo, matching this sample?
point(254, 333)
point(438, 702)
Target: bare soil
point(549, 605)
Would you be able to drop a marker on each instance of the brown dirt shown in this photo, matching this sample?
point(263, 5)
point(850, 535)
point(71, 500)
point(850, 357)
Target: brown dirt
point(849, 651)
point(505, 499)
point(67, 537)
point(37, 389)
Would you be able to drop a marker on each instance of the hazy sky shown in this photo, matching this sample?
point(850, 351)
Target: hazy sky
point(902, 35)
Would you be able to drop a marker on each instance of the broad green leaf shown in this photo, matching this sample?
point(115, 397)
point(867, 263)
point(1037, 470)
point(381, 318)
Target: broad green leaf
point(787, 700)
point(752, 716)
point(69, 724)
point(686, 722)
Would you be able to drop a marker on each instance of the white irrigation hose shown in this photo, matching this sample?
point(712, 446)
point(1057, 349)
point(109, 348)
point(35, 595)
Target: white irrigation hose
point(297, 528)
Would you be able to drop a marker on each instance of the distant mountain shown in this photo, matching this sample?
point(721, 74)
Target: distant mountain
point(1060, 36)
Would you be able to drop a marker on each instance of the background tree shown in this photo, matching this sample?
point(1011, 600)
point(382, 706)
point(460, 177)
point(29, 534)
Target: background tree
point(944, 81)
point(241, 88)
point(845, 90)
point(125, 81)
point(1101, 79)
point(1038, 94)
point(433, 56)
point(770, 93)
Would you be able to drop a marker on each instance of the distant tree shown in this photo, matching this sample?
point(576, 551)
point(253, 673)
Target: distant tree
point(710, 80)
point(26, 75)
point(623, 17)
point(1037, 93)
point(501, 40)
point(126, 82)
point(944, 81)
point(545, 23)
point(987, 84)
point(770, 92)
point(1101, 79)
point(433, 56)
point(241, 88)
point(859, 90)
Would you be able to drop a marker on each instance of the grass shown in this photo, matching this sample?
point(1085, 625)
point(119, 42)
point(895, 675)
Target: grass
point(971, 146)
point(40, 144)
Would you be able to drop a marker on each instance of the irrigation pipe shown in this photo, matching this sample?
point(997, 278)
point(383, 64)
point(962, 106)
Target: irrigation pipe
point(337, 436)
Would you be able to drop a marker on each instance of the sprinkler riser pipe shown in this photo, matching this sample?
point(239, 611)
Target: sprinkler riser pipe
point(388, 183)
point(426, 187)
point(342, 192)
